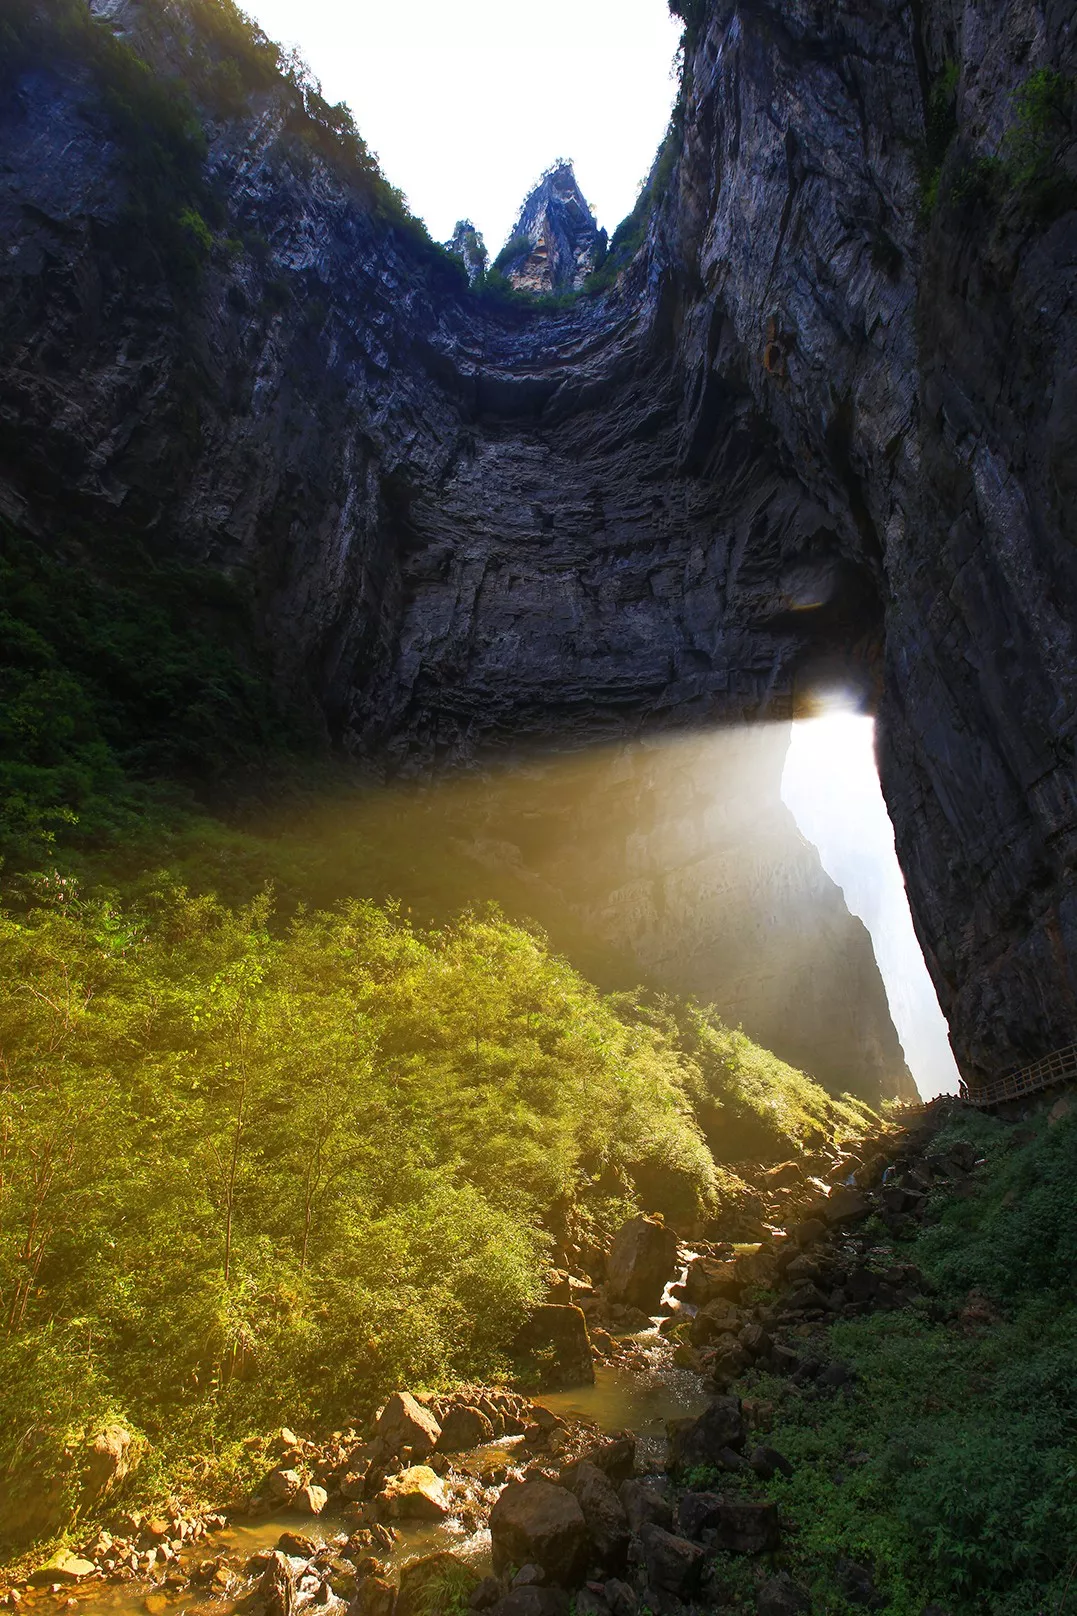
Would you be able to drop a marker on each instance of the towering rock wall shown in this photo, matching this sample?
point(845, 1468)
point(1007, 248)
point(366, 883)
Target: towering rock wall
point(820, 430)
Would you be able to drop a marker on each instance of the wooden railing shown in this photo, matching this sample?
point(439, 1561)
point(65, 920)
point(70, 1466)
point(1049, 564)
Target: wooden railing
point(1042, 1074)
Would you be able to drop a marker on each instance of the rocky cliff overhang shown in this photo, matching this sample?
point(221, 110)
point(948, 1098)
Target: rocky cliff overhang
point(821, 431)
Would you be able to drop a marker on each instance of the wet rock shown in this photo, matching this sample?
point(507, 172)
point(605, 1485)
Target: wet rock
point(276, 1586)
point(647, 1501)
point(484, 1594)
point(297, 1543)
point(709, 1279)
point(747, 1527)
point(615, 1458)
point(780, 1596)
point(554, 1344)
point(404, 1423)
point(674, 1565)
point(464, 1427)
point(375, 1596)
point(641, 1262)
point(607, 1522)
point(435, 1585)
point(415, 1494)
point(700, 1441)
point(539, 1521)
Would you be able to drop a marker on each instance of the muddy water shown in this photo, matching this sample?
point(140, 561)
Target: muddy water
point(640, 1398)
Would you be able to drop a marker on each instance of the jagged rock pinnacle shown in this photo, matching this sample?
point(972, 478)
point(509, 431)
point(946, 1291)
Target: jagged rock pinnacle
point(556, 242)
point(467, 243)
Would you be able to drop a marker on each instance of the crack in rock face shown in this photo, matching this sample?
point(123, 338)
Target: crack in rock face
point(820, 431)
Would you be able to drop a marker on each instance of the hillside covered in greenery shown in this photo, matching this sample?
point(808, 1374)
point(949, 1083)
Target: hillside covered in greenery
point(257, 1169)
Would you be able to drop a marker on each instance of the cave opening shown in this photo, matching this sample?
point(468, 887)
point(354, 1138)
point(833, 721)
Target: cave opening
point(831, 785)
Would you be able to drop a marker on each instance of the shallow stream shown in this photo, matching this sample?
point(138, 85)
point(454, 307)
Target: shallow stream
point(639, 1397)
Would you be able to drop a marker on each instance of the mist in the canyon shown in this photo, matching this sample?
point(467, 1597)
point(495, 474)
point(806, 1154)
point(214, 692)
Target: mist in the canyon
point(669, 861)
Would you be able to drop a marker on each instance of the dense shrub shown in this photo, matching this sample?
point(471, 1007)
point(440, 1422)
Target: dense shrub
point(963, 1426)
point(251, 1173)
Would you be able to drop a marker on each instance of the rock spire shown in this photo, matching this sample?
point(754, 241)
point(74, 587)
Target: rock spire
point(556, 242)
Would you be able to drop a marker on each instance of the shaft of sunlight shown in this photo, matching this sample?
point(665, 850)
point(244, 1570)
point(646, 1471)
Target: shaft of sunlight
point(467, 104)
point(831, 785)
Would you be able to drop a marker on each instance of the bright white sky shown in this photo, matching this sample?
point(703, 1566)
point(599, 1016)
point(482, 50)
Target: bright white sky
point(831, 785)
point(466, 102)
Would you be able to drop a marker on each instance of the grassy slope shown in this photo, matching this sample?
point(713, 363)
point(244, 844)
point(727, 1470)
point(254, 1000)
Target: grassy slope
point(964, 1417)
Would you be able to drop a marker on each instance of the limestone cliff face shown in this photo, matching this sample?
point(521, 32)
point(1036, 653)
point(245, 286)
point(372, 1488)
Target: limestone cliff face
point(555, 242)
point(821, 429)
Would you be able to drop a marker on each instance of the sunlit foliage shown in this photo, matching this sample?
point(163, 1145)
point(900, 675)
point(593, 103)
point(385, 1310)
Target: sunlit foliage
point(254, 1172)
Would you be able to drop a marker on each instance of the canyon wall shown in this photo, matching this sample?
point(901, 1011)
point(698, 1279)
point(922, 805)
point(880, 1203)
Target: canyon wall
point(820, 430)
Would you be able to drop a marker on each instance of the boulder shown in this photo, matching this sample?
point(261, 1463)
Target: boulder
point(281, 1486)
point(607, 1523)
point(436, 1585)
point(111, 1455)
point(310, 1500)
point(462, 1428)
point(700, 1441)
point(298, 1544)
point(642, 1261)
point(674, 1566)
point(696, 1512)
point(416, 1494)
point(485, 1594)
point(615, 1458)
point(747, 1527)
point(717, 1318)
point(768, 1462)
point(540, 1522)
point(276, 1586)
point(780, 1596)
point(554, 1346)
point(374, 1597)
point(404, 1423)
point(647, 1501)
point(532, 1600)
point(63, 1567)
point(708, 1280)
point(621, 1598)
point(845, 1205)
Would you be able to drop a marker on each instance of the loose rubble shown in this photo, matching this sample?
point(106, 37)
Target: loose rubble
point(571, 1511)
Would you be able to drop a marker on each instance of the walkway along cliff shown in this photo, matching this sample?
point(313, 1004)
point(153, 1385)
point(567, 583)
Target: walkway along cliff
point(819, 428)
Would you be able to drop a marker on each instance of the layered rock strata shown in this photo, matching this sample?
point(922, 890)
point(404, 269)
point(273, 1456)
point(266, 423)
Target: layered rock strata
point(822, 429)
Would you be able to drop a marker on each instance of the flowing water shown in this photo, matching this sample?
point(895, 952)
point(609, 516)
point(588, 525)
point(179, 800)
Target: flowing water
point(639, 1397)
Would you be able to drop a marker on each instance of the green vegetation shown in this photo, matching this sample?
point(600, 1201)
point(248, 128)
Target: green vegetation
point(1029, 171)
point(222, 61)
point(121, 684)
point(256, 1171)
point(951, 1466)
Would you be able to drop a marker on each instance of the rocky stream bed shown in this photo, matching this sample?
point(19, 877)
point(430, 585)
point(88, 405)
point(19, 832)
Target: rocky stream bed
point(613, 1494)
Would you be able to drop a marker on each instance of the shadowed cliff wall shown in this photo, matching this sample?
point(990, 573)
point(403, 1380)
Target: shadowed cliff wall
point(819, 429)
